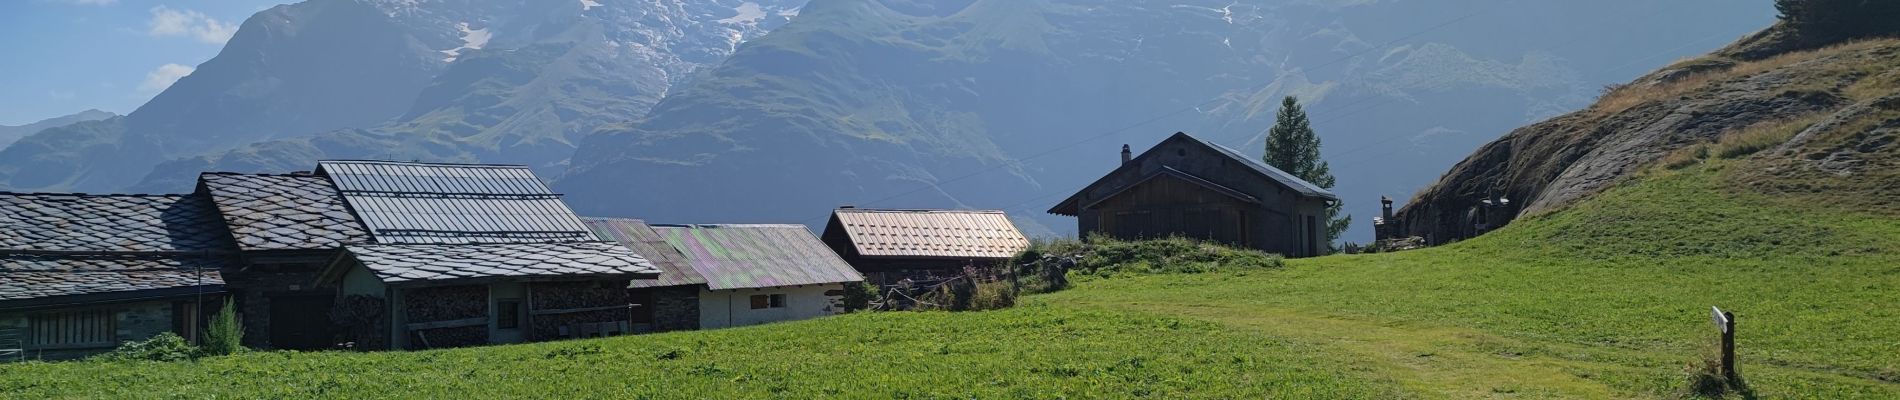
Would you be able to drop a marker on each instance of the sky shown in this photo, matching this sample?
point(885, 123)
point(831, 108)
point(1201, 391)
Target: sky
point(59, 57)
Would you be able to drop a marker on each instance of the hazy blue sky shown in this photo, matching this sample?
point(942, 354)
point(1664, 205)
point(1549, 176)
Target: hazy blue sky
point(58, 57)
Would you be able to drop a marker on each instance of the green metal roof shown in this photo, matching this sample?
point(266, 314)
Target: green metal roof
point(757, 256)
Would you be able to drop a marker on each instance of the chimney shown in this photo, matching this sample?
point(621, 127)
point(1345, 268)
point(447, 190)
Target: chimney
point(1385, 207)
point(847, 207)
point(1126, 154)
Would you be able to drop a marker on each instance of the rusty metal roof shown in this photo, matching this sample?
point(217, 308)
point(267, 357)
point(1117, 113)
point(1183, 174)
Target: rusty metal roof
point(453, 203)
point(407, 263)
point(757, 256)
point(930, 233)
point(675, 270)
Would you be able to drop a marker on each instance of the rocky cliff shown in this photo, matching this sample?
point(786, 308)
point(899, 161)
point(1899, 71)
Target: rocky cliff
point(1810, 116)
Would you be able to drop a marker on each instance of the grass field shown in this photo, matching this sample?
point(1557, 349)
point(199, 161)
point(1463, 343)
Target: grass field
point(1607, 300)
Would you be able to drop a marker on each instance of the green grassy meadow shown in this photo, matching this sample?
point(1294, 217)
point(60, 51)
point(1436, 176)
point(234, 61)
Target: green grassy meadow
point(1606, 300)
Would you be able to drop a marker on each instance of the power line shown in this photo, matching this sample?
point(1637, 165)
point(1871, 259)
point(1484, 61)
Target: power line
point(1196, 106)
point(1447, 84)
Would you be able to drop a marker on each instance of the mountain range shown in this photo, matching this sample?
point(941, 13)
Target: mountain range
point(774, 111)
point(13, 133)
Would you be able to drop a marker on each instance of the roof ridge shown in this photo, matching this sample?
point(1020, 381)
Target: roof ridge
point(298, 174)
point(920, 210)
point(83, 194)
point(613, 219)
point(478, 244)
point(441, 164)
point(727, 226)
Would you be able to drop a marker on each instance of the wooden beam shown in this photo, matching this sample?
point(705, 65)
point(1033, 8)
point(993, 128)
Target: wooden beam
point(580, 310)
point(454, 323)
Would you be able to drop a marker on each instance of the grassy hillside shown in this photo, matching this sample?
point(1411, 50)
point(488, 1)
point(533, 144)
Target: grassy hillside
point(1605, 300)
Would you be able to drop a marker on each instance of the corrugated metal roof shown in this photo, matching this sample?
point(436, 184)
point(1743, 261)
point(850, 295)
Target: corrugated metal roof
point(405, 263)
point(453, 203)
point(757, 256)
point(930, 233)
point(675, 269)
point(1299, 185)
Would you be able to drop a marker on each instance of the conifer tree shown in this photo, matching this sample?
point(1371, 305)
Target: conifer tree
point(1292, 146)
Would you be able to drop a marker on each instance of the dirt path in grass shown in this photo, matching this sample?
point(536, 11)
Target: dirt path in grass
point(1429, 362)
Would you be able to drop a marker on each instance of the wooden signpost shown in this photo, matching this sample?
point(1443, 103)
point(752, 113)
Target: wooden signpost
point(1726, 322)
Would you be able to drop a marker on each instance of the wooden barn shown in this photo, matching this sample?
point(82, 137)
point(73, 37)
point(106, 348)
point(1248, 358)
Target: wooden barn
point(892, 245)
point(1193, 188)
point(715, 276)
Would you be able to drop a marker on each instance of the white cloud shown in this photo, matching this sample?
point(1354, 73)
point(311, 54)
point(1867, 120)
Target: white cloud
point(170, 22)
point(164, 77)
point(60, 94)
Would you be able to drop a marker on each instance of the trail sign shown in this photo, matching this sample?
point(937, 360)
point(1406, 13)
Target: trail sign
point(1726, 322)
point(1719, 318)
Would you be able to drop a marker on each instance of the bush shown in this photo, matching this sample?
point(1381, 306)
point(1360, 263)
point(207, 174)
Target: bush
point(163, 347)
point(1044, 266)
point(225, 336)
point(993, 296)
point(858, 296)
point(1108, 257)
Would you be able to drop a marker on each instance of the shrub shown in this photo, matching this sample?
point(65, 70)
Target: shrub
point(225, 336)
point(163, 347)
point(1173, 255)
point(858, 296)
point(993, 296)
point(1044, 266)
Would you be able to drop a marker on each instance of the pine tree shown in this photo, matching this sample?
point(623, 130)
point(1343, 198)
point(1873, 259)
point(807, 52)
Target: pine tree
point(1293, 147)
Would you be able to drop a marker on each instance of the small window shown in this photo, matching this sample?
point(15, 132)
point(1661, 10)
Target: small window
point(764, 301)
point(91, 328)
point(508, 314)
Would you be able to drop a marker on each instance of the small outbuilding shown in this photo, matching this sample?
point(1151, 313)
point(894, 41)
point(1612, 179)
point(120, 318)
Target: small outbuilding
point(715, 276)
point(889, 246)
point(450, 295)
point(1193, 188)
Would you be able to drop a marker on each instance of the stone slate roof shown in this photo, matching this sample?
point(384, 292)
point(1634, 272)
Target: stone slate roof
point(415, 263)
point(970, 234)
point(39, 277)
point(108, 223)
point(58, 246)
point(282, 212)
